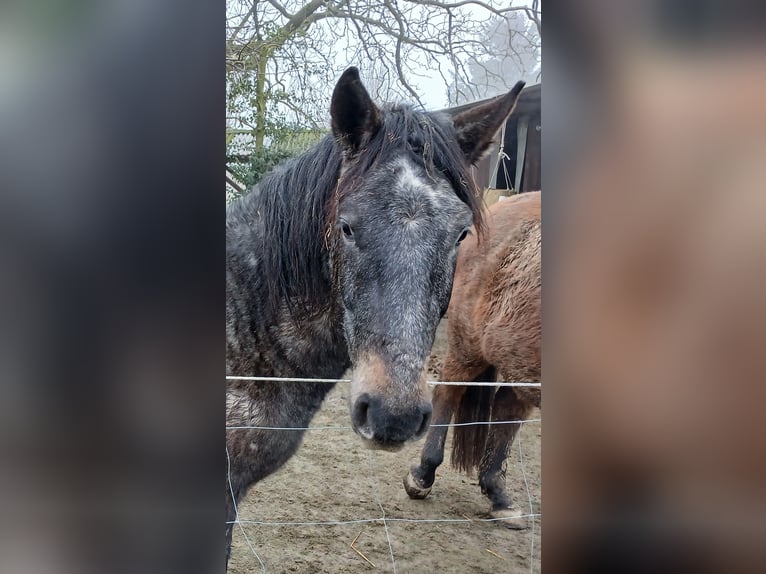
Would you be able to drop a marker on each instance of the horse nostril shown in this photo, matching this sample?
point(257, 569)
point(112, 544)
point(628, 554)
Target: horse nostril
point(424, 424)
point(359, 412)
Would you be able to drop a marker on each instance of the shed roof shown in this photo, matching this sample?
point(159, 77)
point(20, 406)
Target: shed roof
point(529, 102)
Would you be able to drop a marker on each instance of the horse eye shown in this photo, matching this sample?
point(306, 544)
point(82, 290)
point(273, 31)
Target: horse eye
point(462, 236)
point(346, 228)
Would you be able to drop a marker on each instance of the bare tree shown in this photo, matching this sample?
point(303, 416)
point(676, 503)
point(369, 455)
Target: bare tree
point(511, 51)
point(284, 55)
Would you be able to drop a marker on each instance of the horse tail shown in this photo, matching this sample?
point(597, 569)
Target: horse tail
point(468, 441)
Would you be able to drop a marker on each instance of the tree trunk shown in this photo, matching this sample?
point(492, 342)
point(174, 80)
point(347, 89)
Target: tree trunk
point(260, 102)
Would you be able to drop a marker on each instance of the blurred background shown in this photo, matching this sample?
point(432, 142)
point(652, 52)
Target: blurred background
point(655, 258)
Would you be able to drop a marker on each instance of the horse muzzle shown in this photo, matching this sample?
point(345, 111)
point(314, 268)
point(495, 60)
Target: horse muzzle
point(384, 427)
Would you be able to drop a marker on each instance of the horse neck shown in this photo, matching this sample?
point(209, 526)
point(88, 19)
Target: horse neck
point(285, 339)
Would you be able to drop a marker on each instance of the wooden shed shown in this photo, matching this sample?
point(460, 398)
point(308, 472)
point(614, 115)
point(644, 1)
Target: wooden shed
point(519, 168)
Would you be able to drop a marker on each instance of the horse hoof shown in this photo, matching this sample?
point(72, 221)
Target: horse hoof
point(510, 518)
point(414, 490)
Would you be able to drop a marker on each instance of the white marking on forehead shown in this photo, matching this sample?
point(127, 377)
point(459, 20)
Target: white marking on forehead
point(433, 190)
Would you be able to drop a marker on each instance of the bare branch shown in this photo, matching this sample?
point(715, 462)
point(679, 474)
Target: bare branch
point(487, 7)
point(242, 23)
point(399, 70)
point(283, 56)
point(281, 9)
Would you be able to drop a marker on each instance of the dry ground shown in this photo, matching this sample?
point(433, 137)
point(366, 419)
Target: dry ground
point(334, 478)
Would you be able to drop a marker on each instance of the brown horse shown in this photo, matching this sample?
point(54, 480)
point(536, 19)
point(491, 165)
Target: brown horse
point(493, 333)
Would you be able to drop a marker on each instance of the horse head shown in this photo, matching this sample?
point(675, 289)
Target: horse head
point(404, 202)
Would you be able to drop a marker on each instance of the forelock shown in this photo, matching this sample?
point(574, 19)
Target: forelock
point(429, 140)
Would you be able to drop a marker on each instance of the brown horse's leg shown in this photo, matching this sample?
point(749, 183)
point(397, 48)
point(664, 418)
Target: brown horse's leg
point(506, 407)
point(446, 399)
point(421, 477)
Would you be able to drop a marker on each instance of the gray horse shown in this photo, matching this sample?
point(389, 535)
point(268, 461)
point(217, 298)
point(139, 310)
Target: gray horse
point(344, 257)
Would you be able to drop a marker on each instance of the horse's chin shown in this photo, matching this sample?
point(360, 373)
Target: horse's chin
point(387, 446)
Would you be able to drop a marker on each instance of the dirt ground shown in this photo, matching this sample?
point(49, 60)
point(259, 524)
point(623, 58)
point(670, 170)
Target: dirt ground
point(334, 478)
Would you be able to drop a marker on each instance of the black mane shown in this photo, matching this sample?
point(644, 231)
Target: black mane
point(297, 200)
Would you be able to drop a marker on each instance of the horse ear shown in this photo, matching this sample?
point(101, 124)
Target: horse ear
point(355, 117)
point(476, 127)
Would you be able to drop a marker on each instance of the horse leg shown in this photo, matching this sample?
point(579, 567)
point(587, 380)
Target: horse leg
point(506, 407)
point(446, 399)
point(421, 477)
